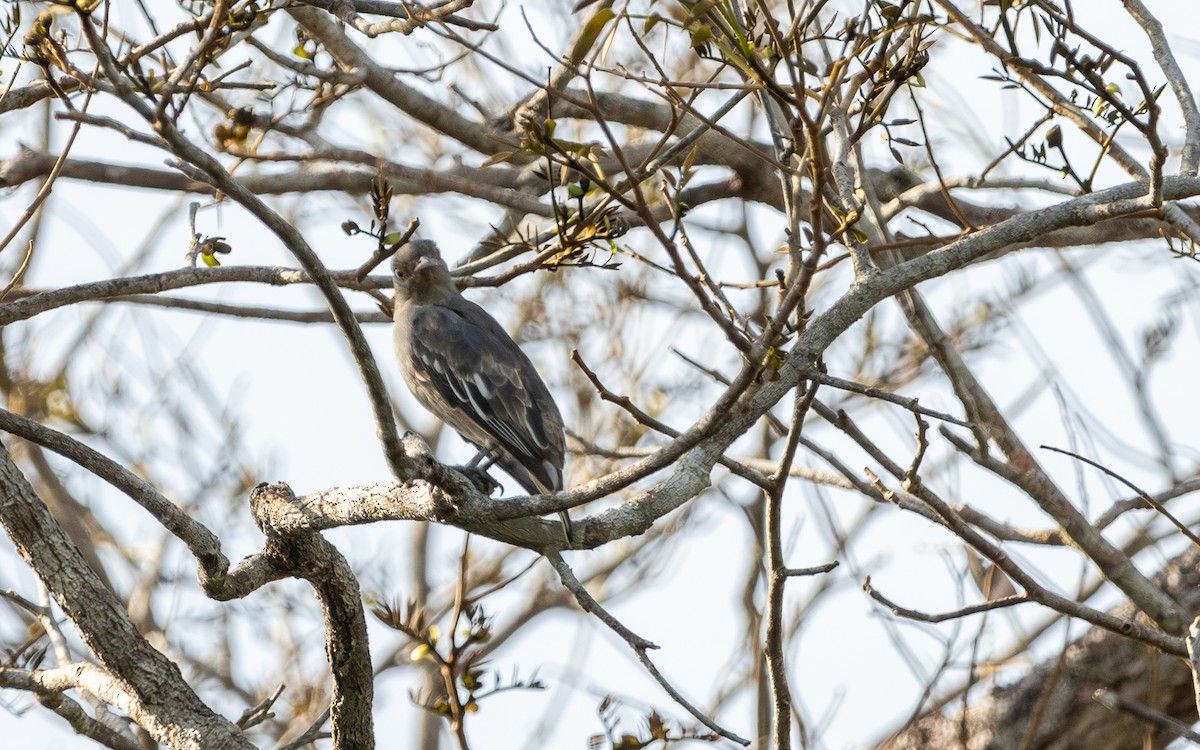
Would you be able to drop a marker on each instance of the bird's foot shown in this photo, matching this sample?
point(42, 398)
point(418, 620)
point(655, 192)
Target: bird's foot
point(483, 459)
point(480, 478)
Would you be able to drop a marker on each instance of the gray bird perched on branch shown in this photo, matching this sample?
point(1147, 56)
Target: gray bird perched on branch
point(462, 366)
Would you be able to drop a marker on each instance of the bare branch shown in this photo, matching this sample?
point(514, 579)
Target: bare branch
point(637, 643)
point(136, 677)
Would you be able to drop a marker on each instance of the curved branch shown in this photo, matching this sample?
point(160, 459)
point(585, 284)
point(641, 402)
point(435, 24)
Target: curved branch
point(40, 302)
point(1098, 659)
point(202, 543)
point(307, 555)
point(48, 686)
point(205, 164)
point(140, 680)
point(400, 95)
point(1179, 84)
point(639, 645)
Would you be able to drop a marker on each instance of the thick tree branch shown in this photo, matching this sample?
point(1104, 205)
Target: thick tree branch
point(136, 678)
point(203, 544)
point(388, 87)
point(306, 554)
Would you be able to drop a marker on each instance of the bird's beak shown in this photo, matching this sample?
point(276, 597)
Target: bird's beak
point(423, 263)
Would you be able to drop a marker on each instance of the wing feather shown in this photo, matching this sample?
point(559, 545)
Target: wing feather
point(490, 391)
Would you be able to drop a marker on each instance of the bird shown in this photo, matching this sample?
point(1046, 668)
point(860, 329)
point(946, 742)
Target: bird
point(462, 366)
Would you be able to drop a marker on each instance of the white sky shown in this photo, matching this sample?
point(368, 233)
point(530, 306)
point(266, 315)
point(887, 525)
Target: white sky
point(845, 672)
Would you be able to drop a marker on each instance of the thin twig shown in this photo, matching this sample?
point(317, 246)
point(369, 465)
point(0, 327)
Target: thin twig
point(974, 609)
point(1150, 501)
point(639, 645)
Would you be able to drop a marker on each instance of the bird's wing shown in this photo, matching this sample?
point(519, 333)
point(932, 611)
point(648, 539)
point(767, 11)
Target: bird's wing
point(482, 374)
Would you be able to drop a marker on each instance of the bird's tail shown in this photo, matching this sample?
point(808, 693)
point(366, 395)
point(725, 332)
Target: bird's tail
point(566, 522)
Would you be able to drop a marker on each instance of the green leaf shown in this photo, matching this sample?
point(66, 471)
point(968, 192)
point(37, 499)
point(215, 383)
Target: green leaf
point(700, 36)
point(589, 35)
point(496, 158)
point(690, 159)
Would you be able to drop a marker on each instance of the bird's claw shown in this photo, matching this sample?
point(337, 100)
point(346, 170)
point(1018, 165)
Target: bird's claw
point(480, 478)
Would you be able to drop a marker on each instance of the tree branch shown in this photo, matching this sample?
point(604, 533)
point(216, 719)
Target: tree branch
point(136, 678)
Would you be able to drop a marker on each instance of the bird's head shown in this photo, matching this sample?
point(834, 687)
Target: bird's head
point(420, 275)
